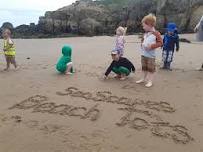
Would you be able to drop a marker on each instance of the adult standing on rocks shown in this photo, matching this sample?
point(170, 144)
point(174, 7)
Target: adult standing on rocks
point(199, 36)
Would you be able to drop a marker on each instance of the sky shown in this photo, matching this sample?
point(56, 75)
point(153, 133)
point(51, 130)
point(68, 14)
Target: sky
point(27, 11)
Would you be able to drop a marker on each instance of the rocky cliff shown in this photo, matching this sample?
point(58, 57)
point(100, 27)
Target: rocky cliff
point(87, 17)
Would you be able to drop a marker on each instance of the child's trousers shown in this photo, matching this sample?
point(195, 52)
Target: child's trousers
point(121, 70)
point(167, 57)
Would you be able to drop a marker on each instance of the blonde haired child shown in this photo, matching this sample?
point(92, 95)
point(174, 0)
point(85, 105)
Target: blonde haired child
point(9, 49)
point(120, 40)
point(151, 40)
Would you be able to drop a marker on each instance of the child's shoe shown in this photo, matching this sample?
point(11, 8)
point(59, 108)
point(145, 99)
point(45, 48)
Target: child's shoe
point(200, 69)
point(149, 84)
point(163, 68)
point(140, 81)
point(69, 73)
point(117, 76)
point(6, 69)
point(123, 78)
point(17, 68)
point(169, 66)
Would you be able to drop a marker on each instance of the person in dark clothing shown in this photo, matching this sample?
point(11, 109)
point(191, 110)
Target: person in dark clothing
point(171, 41)
point(120, 65)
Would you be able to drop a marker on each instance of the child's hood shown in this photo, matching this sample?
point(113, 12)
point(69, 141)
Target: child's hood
point(67, 51)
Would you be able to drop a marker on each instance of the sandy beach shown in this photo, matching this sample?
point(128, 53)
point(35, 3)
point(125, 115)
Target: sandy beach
point(43, 111)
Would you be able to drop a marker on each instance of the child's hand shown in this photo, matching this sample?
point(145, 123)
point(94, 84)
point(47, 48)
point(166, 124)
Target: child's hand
point(105, 77)
point(126, 28)
point(147, 47)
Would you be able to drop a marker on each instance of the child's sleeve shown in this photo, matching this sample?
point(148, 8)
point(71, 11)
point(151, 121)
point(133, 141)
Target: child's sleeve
point(159, 41)
point(177, 43)
point(131, 65)
point(10, 42)
point(108, 71)
point(164, 39)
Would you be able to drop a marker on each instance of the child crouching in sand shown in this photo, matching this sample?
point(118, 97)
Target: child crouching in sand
point(152, 39)
point(120, 65)
point(120, 40)
point(65, 64)
point(9, 49)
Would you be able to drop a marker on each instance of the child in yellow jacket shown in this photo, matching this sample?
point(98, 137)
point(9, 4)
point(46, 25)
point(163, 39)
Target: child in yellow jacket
point(9, 49)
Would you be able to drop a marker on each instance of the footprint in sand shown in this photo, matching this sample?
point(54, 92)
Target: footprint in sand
point(16, 119)
point(131, 86)
point(45, 66)
point(32, 124)
point(3, 119)
point(92, 74)
point(51, 128)
point(127, 86)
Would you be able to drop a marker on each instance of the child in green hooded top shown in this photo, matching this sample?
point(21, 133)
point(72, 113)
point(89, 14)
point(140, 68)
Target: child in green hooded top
point(65, 64)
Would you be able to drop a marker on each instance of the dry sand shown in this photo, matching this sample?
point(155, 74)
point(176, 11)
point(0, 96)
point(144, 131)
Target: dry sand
point(42, 111)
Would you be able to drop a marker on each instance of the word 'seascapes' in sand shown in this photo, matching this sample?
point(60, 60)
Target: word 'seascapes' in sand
point(107, 97)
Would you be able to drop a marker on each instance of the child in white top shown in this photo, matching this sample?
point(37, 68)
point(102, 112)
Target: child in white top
point(152, 39)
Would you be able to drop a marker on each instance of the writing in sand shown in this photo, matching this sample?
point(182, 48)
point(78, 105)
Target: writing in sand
point(138, 114)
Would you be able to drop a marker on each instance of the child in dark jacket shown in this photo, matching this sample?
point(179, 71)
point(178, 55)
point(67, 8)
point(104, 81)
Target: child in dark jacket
point(170, 42)
point(120, 65)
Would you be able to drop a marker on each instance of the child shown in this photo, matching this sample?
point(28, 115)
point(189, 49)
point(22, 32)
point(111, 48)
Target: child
point(152, 39)
point(171, 39)
point(120, 41)
point(65, 64)
point(120, 65)
point(9, 49)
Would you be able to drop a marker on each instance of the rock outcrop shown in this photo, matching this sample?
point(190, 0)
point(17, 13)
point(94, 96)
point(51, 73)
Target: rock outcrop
point(91, 18)
point(81, 17)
